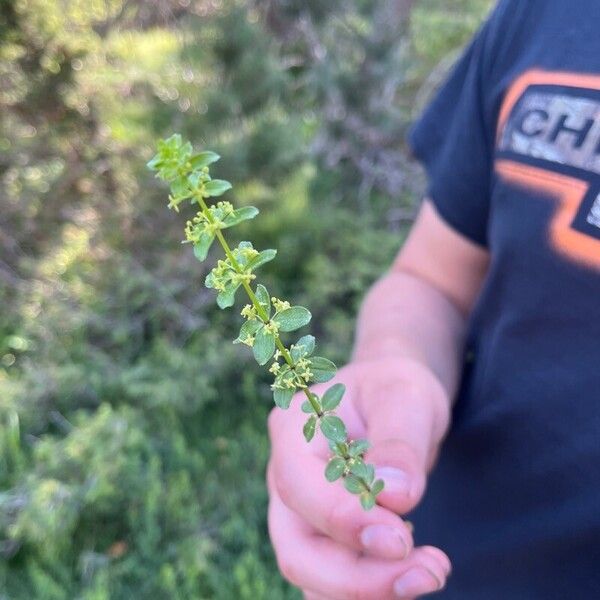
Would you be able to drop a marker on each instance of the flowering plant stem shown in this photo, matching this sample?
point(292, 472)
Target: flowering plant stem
point(189, 177)
point(316, 406)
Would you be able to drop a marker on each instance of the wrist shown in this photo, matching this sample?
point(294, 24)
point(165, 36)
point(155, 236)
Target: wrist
point(393, 349)
point(383, 347)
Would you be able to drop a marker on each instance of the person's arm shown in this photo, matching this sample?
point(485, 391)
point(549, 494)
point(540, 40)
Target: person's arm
point(419, 309)
point(400, 384)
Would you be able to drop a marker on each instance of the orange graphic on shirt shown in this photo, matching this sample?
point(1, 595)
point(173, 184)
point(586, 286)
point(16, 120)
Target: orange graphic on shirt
point(569, 191)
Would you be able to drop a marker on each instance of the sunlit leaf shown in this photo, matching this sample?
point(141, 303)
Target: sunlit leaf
point(203, 159)
point(216, 187)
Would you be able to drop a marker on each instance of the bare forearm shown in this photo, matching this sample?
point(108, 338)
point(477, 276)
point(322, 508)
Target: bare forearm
point(404, 315)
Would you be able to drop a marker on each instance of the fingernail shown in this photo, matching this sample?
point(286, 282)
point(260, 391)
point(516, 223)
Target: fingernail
point(396, 481)
point(385, 541)
point(414, 582)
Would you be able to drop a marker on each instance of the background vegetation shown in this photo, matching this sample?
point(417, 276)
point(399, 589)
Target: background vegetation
point(131, 454)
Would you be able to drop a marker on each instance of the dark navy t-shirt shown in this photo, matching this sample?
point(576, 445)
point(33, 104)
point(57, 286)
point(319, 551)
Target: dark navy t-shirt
point(511, 144)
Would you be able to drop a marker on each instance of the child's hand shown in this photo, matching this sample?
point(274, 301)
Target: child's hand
point(325, 543)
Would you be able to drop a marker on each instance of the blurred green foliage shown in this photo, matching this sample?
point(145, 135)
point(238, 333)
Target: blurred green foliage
point(123, 423)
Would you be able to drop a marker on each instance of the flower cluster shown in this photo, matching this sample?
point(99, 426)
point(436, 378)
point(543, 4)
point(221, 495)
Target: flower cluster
point(294, 368)
point(236, 270)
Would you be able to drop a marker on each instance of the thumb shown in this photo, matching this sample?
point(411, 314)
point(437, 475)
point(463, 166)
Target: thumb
point(407, 414)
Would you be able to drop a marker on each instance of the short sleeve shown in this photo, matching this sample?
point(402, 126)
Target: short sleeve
point(454, 139)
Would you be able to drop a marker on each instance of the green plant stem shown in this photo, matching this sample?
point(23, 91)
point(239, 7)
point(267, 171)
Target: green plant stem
point(343, 454)
point(265, 318)
point(257, 305)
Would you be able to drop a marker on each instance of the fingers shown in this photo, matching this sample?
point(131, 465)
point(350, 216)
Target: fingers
point(329, 508)
point(312, 596)
point(407, 414)
point(330, 571)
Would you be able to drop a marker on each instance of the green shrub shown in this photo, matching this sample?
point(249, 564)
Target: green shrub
point(124, 426)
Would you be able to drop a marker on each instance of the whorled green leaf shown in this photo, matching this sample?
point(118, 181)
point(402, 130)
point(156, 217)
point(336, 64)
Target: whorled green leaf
point(363, 470)
point(338, 448)
point(263, 298)
point(358, 448)
point(155, 162)
point(239, 215)
point(226, 298)
point(309, 428)
point(335, 468)
point(216, 187)
point(292, 318)
point(333, 396)
point(209, 280)
point(370, 473)
point(333, 428)
point(283, 398)
point(377, 487)
point(307, 407)
point(322, 368)
point(202, 246)
point(304, 347)
point(174, 147)
point(367, 500)
point(358, 468)
point(172, 159)
point(180, 188)
point(263, 257)
point(249, 328)
point(264, 346)
point(203, 159)
point(171, 143)
point(353, 484)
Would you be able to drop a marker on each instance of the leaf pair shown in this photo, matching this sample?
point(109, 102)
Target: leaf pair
point(359, 478)
point(332, 427)
point(330, 399)
point(361, 481)
point(289, 319)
